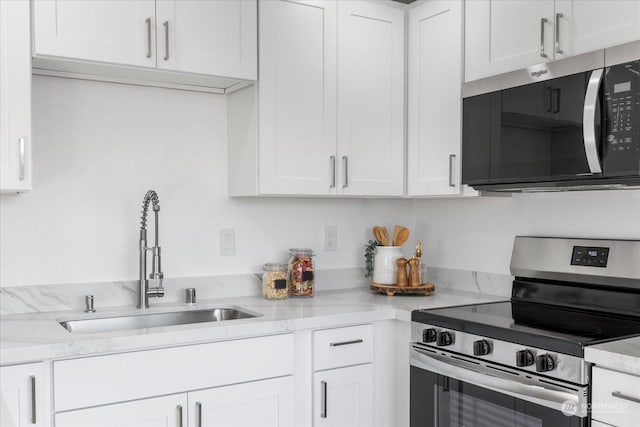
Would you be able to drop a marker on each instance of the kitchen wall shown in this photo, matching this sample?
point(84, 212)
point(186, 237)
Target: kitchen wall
point(98, 147)
point(477, 234)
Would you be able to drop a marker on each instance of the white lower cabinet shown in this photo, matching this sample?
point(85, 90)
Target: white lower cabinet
point(23, 396)
point(165, 411)
point(343, 397)
point(267, 403)
point(615, 398)
point(343, 379)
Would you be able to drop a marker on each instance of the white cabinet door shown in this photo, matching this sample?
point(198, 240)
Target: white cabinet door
point(343, 397)
point(165, 411)
point(435, 107)
point(297, 97)
point(588, 25)
point(22, 396)
point(15, 97)
point(506, 35)
point(370, 98)
point(120, 32)
point(615, 397)
point(208, 37)
point(268, 403)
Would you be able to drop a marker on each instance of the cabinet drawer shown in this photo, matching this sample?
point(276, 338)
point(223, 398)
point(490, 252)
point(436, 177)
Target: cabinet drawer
point(616, 397)
point(100, 380)
point(351, 345)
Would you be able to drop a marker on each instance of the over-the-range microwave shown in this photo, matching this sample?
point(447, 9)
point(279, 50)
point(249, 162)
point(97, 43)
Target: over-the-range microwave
point(572, 124)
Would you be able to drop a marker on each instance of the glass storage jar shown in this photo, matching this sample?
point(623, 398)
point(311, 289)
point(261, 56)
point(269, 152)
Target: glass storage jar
point(274, 281)
point(301, 272)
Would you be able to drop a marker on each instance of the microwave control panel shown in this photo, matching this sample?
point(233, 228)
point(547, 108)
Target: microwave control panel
point(622, 103)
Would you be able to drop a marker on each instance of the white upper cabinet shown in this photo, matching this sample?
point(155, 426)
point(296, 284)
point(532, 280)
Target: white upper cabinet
point(15, 97)
point(587, 25)
point(370, 98)
point(328, 115)
point(506, 35)
point(201, 37)
point(297, 97)
point(208, 37)
point(435, 107)
point(120, 32)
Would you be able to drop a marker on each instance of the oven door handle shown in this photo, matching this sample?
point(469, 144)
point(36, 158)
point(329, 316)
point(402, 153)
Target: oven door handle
point(500, 381)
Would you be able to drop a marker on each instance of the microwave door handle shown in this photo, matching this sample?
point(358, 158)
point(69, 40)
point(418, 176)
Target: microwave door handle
point(589, 121)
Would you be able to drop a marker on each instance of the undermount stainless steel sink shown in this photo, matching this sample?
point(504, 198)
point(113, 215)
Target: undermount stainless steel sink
point(154, 320)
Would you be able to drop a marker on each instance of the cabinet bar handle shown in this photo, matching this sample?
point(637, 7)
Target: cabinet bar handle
point(620, 395)
point(323, 405)
point(166, 40)
point(21, 148)
point(452, 158)
point(542, 22)
point(34, 418)
point(332, 161)
point(338, 344)
point(180, 416)
point(345, 164)
point(199, 413)
point(558, 16)
point(148, 21)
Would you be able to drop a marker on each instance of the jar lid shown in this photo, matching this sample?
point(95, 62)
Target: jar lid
point(274, 266)
point(301, 251)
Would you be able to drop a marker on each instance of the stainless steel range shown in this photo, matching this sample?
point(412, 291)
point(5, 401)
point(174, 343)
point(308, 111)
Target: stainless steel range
point(521, 362)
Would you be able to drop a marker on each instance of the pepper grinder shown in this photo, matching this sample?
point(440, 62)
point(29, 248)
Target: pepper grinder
point(414, 274)
point(401, 277)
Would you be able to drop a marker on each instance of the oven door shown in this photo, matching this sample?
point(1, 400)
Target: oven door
point(451, 390)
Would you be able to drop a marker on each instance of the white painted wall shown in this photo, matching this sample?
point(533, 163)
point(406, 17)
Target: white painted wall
point(98, 147)
point(477, 234)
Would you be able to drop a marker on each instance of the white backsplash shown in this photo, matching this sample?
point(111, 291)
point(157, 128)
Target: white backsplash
point(28, 299)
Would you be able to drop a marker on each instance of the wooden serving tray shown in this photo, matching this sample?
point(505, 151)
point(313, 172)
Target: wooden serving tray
point(391, 290)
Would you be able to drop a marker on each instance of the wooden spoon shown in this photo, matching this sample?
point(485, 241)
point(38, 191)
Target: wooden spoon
point(402, 236)
point(394, 240)
point(377, 234)
point(385, 236)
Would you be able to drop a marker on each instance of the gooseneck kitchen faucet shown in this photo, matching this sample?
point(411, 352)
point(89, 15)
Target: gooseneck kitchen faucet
point(144, 291)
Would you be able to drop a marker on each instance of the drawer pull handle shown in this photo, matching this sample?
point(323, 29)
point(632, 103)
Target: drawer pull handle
point(34, 419)
point(323, 406)
point(625, 397)
point(199, 411)
point(338, 344)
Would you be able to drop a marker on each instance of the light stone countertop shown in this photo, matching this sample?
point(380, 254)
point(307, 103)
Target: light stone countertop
point(621, 355)
point(38, 336)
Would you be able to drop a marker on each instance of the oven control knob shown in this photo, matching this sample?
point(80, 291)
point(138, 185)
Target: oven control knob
point(429, 335)
point(545, 363)
point(524, 358)
point(444, 338)
point(481, 348)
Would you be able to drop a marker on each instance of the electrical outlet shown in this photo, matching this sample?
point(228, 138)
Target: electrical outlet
point(227, 241)
point(330, 238)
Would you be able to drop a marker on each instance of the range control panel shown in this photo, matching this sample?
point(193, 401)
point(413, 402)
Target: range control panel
point(590, 256)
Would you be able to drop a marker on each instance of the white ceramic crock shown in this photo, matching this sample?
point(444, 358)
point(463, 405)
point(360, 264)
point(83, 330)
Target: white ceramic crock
point(384, 264)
